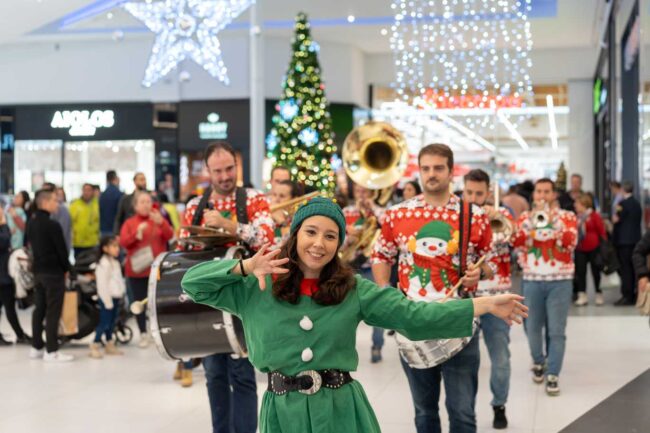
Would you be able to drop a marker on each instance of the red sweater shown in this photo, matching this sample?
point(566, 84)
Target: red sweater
point(155, 236)
point(595, 229)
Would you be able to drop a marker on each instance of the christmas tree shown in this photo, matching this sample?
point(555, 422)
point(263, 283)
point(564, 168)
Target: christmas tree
point(301, 138)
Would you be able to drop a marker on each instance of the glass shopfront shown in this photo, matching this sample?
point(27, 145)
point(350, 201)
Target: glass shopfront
point(73, 145)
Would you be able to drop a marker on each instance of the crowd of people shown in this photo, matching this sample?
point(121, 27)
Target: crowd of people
point(424, 240)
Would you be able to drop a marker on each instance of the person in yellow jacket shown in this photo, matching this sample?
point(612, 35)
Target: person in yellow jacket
point(84, 215)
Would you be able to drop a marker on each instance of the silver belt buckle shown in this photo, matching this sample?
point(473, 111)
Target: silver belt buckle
point(317, 382)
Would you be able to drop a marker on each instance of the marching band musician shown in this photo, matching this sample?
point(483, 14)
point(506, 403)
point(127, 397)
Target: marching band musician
point(495, 332)
point(356, 215)
point(425, 233)
point(243, 212)
point(281, 192)
point(545, 240)
point(301, 306)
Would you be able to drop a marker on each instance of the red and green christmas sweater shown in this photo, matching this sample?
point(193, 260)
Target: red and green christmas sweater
point(425, 239)
point(501, 281)
point(259, 229)
point(546, 253)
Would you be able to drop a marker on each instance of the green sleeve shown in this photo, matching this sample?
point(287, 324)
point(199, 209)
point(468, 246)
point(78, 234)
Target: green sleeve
point(389, 308)
point(211, 283)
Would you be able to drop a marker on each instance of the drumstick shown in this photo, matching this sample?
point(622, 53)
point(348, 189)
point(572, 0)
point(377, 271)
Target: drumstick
point(460, 281)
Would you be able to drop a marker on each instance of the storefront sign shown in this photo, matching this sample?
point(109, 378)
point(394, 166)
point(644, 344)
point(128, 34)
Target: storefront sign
point(83, 123)
point(213, 129)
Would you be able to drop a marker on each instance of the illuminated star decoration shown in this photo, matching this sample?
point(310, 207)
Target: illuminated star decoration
point(186, 28)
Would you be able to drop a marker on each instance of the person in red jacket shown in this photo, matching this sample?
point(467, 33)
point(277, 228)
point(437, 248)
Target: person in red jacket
point(144, 235)
point(590, 232)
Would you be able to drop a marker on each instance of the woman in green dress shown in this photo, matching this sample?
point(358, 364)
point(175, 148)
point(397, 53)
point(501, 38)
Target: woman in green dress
point(302, 331)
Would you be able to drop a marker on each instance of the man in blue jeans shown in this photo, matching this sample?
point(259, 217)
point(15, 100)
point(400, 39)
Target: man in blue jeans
point(424, 233)
point(223, 374)
point(496, 332)
point(545, 239)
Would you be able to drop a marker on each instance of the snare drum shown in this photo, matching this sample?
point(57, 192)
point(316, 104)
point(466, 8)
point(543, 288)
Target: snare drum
point(181, 328)
point(429, 353)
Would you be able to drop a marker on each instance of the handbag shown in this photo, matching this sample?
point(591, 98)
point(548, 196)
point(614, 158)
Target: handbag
point(606, 259)
point(141, 259)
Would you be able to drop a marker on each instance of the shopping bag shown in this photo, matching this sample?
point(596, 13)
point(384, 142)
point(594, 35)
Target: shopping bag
point(69, 323)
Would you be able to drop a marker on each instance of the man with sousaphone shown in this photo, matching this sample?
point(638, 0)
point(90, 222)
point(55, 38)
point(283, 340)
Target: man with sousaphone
point(496, 333)
point(441, 242)
point(242, 213)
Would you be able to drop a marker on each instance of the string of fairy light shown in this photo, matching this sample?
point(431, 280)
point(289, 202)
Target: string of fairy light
point(301, 138)
point(449, 50)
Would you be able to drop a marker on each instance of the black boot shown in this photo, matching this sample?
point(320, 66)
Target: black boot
point(500, 420)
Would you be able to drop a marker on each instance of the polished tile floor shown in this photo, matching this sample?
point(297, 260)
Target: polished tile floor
point(606, 348)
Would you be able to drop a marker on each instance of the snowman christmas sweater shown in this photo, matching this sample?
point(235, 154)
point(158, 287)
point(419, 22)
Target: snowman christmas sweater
point(426, 240)
point(546, 253)
point(501, 281)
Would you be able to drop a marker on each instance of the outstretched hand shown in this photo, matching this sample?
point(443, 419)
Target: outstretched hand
point(509, 308)
point(263, 264)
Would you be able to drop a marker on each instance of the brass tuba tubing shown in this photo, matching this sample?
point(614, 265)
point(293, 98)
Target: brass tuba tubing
point(294, 202)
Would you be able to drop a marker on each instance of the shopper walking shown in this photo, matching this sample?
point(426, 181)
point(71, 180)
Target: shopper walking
point(591, 231)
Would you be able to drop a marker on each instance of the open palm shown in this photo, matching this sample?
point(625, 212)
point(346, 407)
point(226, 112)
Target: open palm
point(263, 264)
point(509, 308)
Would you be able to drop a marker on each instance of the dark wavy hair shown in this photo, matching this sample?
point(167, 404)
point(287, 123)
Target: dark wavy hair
point(335, 282)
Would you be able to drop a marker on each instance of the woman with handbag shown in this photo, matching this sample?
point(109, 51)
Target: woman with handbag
point(591, 230)
point(300, 307)
point(144, 235)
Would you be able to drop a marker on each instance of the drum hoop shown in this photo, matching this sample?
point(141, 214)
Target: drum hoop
point(403, 342)
point(229, 325)
point(154, 327)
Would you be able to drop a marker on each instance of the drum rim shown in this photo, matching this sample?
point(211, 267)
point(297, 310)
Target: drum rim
point(154, 327)
point(404, 343)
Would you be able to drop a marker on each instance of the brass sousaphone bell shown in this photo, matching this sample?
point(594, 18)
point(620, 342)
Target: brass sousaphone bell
point(375, 156)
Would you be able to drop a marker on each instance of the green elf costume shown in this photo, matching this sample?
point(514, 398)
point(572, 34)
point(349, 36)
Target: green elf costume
point(287, 339)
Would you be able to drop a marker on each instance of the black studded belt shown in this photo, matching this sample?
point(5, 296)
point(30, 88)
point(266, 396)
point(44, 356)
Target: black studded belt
point(307, 382)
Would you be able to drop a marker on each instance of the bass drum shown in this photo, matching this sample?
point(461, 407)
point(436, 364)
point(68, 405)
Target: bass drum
point(429, 353)
point(181, 328)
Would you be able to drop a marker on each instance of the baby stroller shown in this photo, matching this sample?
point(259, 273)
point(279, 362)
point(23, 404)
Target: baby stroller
point(83, 280)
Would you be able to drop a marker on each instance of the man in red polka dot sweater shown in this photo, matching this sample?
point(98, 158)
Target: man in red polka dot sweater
point(424, 233)
point(545, 239)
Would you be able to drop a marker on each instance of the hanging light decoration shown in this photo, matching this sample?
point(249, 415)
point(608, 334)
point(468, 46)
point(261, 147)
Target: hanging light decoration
point(186, 28)
point(471, 54)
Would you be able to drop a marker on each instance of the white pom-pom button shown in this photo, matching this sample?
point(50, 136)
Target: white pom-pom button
point(306, 323)
point(307, 355)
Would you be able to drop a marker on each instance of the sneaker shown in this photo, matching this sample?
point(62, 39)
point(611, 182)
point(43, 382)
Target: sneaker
point(57, 357)
point(500, 420)
point(600, 301)
point(582, 299)
point(4, 342)
point(552, 385)
point(375, 355)
point(144, 341)
point(538, 373)
point(35, 353)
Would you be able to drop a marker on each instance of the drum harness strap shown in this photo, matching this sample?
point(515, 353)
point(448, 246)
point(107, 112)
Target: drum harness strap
point(465, 229)
point(240, 204)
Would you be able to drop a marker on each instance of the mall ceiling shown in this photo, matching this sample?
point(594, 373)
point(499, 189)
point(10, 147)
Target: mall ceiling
point(555, 23)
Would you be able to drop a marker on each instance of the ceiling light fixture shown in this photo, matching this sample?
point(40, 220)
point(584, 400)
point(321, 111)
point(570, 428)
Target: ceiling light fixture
point(513, 131)
point(469, 133)
point(551, 121)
